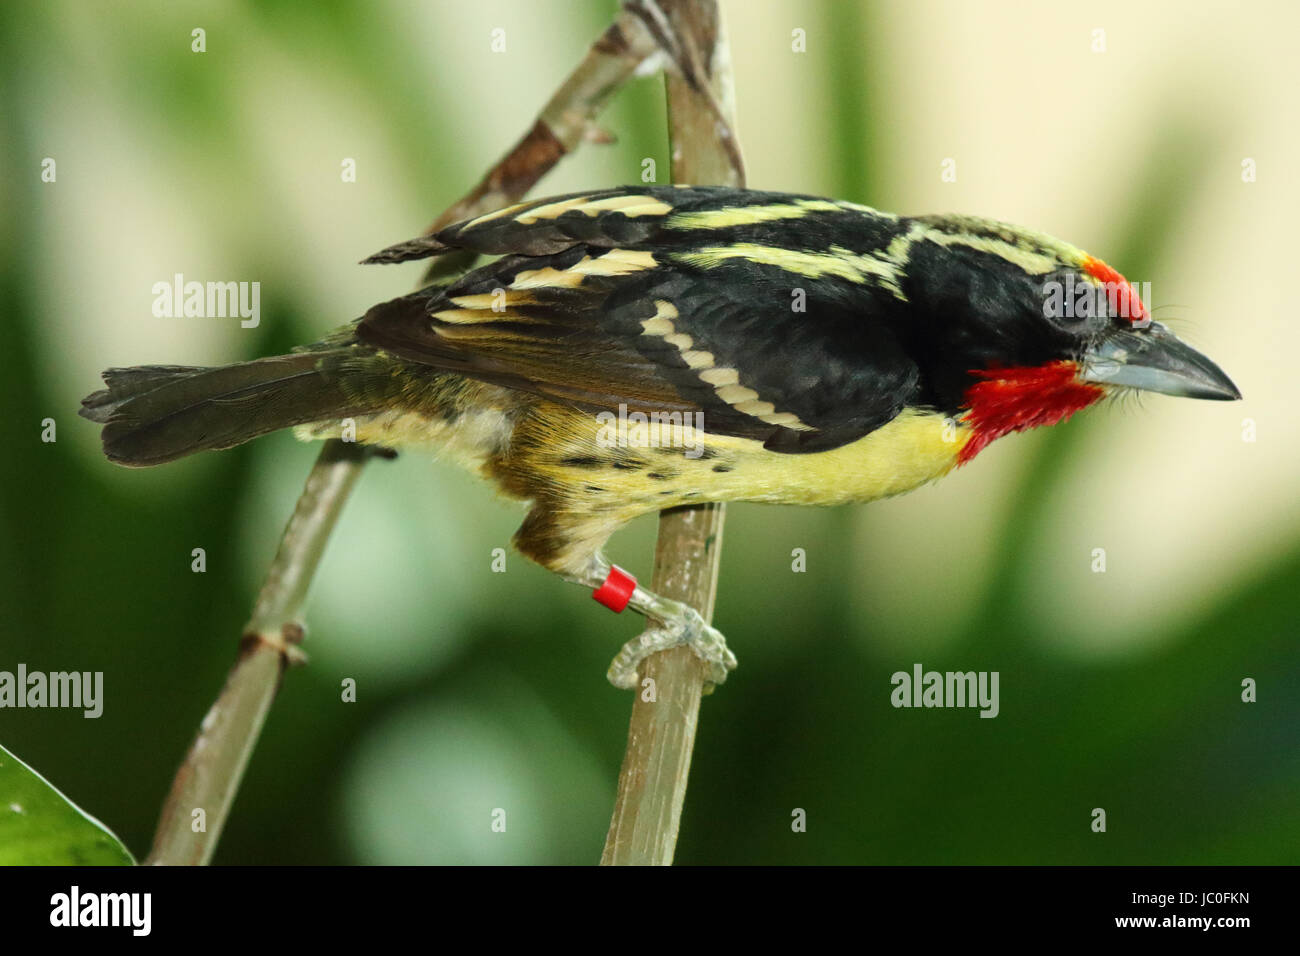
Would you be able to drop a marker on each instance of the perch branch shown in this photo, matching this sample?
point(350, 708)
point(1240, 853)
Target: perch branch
point(661, 733)
point(210, 774)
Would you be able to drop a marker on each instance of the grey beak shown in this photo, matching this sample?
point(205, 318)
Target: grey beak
point(1153, 359)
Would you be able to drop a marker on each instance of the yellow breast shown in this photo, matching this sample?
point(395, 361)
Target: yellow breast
point(650, 466)
point(908, 451)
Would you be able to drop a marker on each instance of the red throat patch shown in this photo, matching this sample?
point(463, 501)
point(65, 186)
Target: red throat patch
point(1014, 399)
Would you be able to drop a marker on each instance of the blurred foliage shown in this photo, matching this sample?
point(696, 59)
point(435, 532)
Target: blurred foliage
point(480, 691)
point(40, 827)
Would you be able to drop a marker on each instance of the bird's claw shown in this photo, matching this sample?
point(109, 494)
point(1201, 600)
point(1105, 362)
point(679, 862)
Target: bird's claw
point(687, 628)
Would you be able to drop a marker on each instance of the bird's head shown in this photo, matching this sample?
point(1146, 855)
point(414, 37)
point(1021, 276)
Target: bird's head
point(1020, 329)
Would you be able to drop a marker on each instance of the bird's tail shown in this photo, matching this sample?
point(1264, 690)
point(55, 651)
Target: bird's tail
point(157, 413)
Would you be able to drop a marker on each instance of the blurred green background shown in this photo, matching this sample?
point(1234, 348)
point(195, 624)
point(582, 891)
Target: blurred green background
point(476, 690)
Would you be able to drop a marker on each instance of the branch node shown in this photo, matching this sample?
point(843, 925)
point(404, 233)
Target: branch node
point(284, 642)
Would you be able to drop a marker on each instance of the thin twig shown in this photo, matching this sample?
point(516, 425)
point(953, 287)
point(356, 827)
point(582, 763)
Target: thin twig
point(209, 777)
point(661, 734)
point(564, 123)
point(212, 769)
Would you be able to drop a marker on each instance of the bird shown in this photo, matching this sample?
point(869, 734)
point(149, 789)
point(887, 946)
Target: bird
point(633, 349)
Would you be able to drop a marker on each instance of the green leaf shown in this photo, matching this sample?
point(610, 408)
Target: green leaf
point(41, 827)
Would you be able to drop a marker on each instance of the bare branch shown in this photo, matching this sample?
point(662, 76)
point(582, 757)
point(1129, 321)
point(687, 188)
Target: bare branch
point(565, 122)
point(661, 734)
point(210, 775)
point(211, 771)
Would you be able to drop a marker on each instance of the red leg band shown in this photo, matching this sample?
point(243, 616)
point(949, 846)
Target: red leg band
point(617, 589)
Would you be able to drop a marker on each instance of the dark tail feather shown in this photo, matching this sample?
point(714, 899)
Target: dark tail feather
point(157, 413)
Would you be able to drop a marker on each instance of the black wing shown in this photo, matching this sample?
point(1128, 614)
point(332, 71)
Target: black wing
point(769, 313)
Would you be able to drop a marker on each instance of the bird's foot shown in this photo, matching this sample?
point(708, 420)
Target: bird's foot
point(682, 626)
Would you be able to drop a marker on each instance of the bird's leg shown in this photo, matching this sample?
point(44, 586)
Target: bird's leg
point(678, 624)
point(569, 544)
point(673, 624)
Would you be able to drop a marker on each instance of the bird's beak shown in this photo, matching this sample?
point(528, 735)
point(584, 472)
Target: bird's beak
point(1153, 359)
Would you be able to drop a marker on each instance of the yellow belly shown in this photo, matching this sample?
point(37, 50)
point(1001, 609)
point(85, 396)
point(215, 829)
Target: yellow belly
point(535, 448)
point(650, 467)
point(914, 448)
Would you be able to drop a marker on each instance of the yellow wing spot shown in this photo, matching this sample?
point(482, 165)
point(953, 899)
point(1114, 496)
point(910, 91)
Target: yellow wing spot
point(471, 331)
point(736, 394)
point(787, 419)
point(547, 278)
point(489, 300)
point(550, 210)
point(503, 211)
point(616, 262)
point(662, 322)
point(720, 376)
point(657, 326)
point(630, 206)
point(637, 257)
point(698, 359)
point(746, 401)
point(755, 408)
point(469, 316)
point(724, 379)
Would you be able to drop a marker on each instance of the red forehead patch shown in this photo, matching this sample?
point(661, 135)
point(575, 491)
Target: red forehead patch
point(1123, 296)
